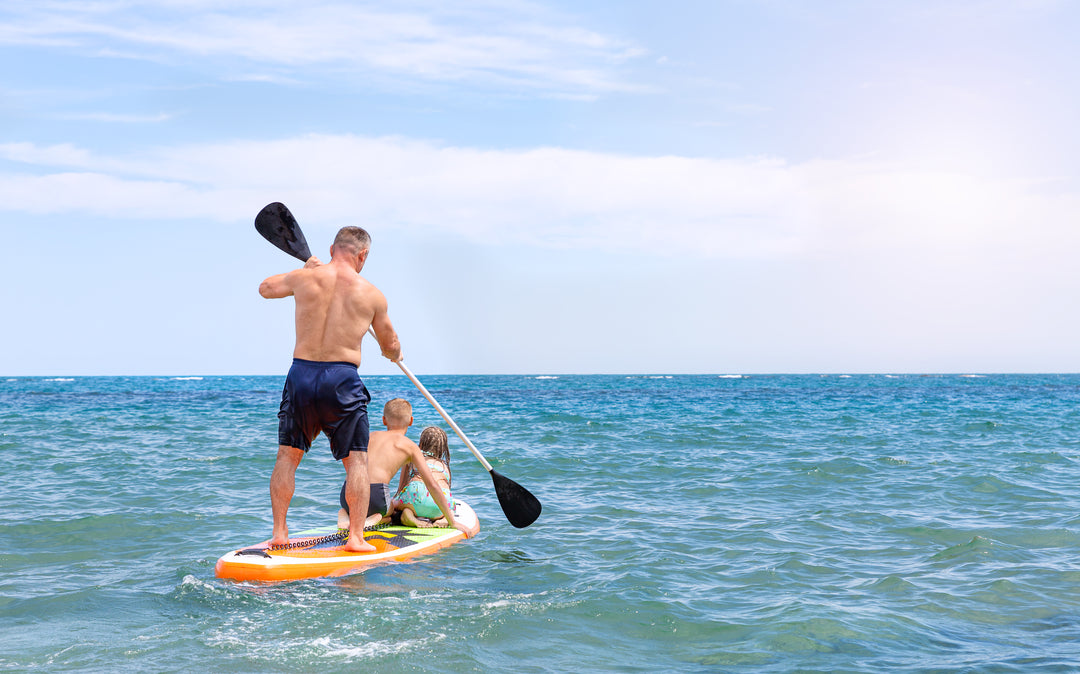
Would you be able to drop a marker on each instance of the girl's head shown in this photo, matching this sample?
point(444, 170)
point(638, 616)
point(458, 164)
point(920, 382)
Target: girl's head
point(433, 443)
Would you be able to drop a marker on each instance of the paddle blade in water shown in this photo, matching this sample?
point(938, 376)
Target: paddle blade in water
point(520, 507)
point(279, 227)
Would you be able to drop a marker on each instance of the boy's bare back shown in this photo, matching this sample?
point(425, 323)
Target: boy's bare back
point(388, 451)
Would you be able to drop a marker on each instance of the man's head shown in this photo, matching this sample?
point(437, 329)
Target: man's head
point(352, 242)
point(397, 413)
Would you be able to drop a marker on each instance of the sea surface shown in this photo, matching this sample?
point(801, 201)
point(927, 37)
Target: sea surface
point(716, 523)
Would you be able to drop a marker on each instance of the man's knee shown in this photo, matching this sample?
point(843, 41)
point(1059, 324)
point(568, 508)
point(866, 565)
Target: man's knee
point(289, 455)
point(355, 462)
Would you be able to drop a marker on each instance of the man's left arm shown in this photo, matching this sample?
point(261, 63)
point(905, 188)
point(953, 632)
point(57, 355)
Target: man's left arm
point(278, 286)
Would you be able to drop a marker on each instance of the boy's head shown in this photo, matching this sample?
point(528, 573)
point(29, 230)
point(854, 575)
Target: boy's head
point(397, 413)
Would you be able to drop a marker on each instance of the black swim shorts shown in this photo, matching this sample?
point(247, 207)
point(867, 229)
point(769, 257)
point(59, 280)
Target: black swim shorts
point(378, 501)
point(327, 397)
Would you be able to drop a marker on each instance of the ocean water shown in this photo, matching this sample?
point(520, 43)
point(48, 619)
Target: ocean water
point(691, 523)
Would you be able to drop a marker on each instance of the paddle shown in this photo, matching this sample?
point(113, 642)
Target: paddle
point(278, 226)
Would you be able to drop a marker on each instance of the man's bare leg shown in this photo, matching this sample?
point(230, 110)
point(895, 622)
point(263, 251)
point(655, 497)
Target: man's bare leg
point(357, 493)
point(282, 485)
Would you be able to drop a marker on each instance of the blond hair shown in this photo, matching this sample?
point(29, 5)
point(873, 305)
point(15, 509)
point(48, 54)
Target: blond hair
point(435, 445)
point(397, 412)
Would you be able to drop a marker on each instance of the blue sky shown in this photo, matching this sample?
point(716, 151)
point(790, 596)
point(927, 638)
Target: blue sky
point(628, 187)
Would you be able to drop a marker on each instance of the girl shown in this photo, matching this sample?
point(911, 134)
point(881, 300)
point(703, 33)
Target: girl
point(413, 499)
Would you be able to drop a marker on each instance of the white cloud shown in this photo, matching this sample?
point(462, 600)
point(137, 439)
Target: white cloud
point(508, 45)
point(551, 197)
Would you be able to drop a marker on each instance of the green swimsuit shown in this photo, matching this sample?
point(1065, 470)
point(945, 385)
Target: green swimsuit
point(416, 495)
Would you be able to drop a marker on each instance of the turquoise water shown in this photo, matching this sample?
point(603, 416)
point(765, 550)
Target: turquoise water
point(691, 523)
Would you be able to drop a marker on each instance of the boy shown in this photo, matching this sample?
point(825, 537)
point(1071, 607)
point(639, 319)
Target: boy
point(388, 452)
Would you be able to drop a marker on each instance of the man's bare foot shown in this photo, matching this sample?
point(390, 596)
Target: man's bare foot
point(358, 544)
point(279, 538)
point(372, 520)
point(408, 518)
point(342, 519)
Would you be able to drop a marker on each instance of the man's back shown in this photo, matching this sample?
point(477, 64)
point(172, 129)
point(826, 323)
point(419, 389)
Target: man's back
point(334, 307)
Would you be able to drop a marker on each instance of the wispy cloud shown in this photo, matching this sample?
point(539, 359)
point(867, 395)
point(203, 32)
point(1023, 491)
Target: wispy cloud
point(515, 46)
point(550, 197)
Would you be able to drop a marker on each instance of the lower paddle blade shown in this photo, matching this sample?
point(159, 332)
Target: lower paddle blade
point(520, 507)
point(279, 227)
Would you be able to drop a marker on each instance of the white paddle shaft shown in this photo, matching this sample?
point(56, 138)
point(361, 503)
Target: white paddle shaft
point(438, 408)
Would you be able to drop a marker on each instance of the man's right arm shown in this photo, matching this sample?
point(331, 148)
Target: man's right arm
point(385, 334)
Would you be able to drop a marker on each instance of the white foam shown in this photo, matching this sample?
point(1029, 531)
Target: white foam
point(546, 376)
point(336, 648)
point(187, 378)
point(59, 379)
point(730, 376)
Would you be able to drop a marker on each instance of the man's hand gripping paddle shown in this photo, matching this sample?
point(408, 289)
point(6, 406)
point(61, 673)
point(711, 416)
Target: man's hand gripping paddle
point(279, 227)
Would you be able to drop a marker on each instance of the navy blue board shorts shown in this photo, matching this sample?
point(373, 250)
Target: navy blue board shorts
point(327, 397)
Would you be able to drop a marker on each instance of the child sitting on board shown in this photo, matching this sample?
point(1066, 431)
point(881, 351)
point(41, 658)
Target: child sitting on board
point(389, 451)
point(414, 500)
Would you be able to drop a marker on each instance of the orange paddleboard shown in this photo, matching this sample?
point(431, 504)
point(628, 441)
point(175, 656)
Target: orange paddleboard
point(318, 552)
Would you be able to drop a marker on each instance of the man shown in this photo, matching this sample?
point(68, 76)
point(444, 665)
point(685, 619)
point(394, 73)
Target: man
point(323, 390)
point(388, 452)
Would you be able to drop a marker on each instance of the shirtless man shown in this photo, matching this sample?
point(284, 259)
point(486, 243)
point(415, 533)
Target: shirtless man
point(388, 452)
point(323, 391)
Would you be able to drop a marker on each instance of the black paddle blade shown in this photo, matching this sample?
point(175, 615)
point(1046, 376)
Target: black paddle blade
point(520, 507)
point(279, 227)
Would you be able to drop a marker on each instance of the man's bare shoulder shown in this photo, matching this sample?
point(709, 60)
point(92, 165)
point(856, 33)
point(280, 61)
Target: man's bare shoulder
point(367, 288)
